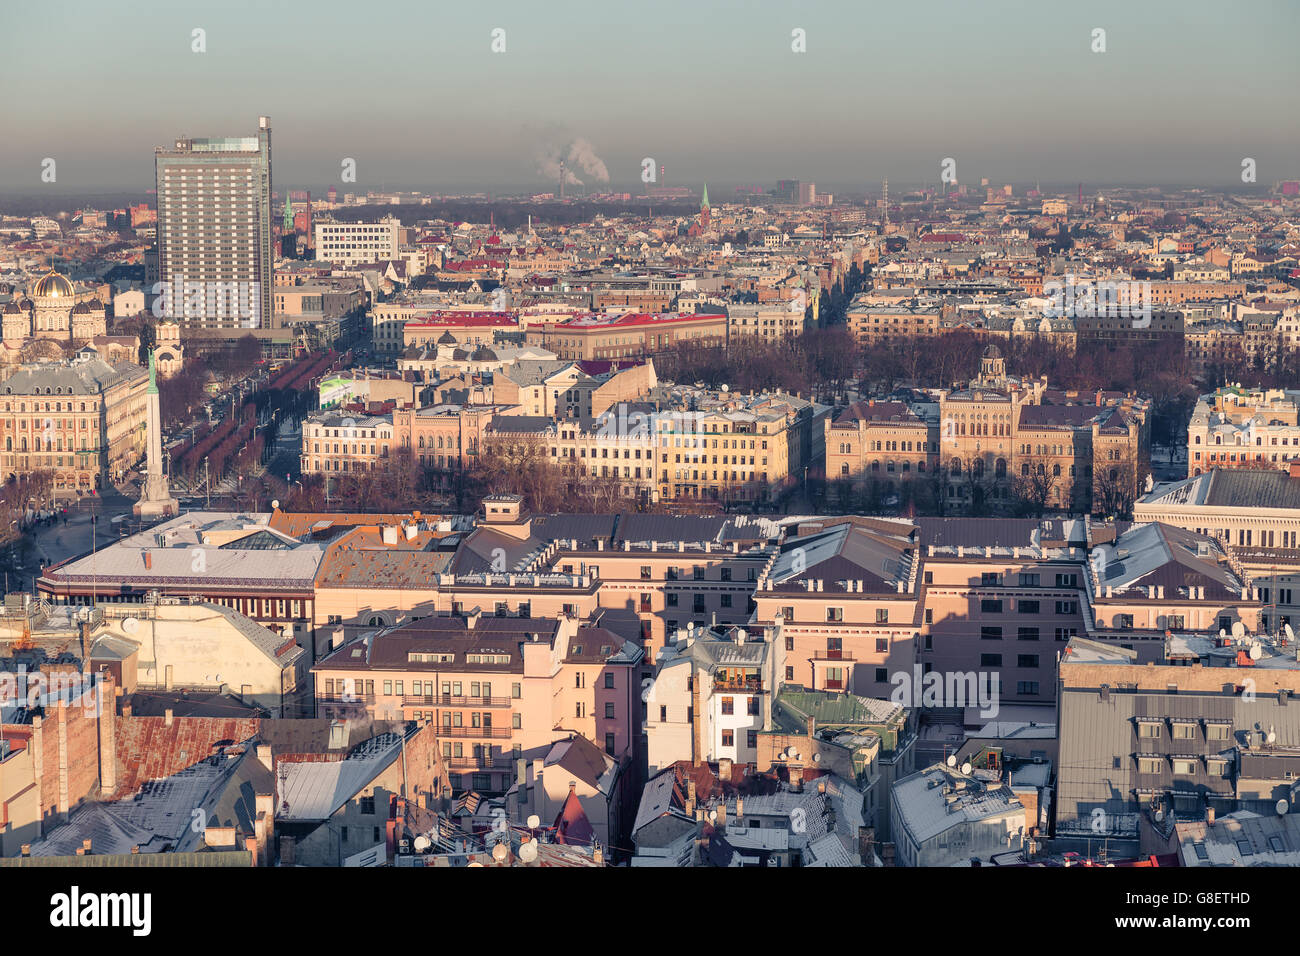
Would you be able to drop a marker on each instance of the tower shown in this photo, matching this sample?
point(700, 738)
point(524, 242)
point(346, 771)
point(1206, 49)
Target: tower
point(214, 230)
point(156, 500)
point(884, 189)
point(706, 213)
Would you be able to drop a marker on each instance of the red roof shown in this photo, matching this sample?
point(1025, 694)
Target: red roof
point(451, 319)
point(601, 322)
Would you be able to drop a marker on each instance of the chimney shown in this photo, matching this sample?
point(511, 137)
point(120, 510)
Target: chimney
point(724, 768)
point(107, 737)
point(598, 855)
point(812, 726)
point(264, 756)
point(167, 717)
point(1209, 816)
point(690, 796)
point(471, 619)
point(148, 561)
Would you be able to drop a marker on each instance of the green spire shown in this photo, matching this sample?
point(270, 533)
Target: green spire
point(153, 374)
point(704, 202)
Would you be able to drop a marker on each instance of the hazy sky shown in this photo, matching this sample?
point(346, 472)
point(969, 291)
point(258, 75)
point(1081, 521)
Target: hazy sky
point(413, 92)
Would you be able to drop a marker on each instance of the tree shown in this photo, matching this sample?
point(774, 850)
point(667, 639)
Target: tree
point(1033, 488)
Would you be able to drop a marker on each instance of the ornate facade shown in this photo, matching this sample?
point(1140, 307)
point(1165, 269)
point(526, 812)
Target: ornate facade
point(53, 309)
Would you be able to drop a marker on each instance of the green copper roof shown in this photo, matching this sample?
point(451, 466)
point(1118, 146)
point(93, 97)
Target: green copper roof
point(704, 201)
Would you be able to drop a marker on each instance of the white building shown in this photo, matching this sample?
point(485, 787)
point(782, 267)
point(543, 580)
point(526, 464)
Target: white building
point(357, 243)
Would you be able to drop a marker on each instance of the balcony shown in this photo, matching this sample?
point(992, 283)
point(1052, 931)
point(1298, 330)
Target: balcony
point(476, 733)
point(346, 698)
point(750, 685)
point(447, 700)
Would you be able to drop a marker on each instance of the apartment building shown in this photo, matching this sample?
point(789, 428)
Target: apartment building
point(497, 690)
point(769, 323)
point(1235, 427)
point(83, 421)
point(334, 443)
point(722, 446)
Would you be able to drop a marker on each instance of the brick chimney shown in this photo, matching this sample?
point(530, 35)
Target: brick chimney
point(148, 561)
point(168, 718)
point(108, 736)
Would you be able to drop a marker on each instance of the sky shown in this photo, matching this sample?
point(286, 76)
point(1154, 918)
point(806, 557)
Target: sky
point(713, 91)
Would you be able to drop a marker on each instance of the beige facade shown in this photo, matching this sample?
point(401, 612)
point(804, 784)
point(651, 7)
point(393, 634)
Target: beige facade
point(84, 421)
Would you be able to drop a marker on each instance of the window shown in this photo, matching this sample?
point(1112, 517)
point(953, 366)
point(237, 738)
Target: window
point(1027, 660)
point(368, 805)
point(516, 721)
point(1065, 633)
point(1148, 729)
point(990, 633)
point(991, 606)
point(609, 680)
point(728, 706)
point(1067, 607)
point(728, 738)
point(663, 713)
point(752, 706)
point(1028, 580)
point(882, 675)
point(834, 614)
point(609, 744)
point(882, 645)
point(882, 615)
point(787, 615)
point(990, 660)
point(645, 572)
point(1124, 621)
point(1027, 688)
point(1149, 764)
point(1184, 767)
point(1217, 731)
point(1027, 607)
point(1176, 622)
point(990, 578)
point(609, 710)
point(751, 739)
point(1182, 730)
point(1026, 633)
point(670, 598)
point(1067, 580)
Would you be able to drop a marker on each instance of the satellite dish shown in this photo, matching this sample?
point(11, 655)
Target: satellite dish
point(1256, 652)
point(275, 505)
point(1238, 629)
point(817, 758)
point(1222, 633)
point(528, 852)
point(499, 852)
point(1286, 629)
point(1160, 815)
point(966, 768)
point(1271, 737)
point(952, 760)
point(421, 843)
point(713, 814)
point(534, 822)
point(1282, 807)
point(130, 625)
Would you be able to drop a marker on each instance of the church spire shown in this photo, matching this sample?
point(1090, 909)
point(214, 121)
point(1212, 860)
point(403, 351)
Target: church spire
point(704, 201)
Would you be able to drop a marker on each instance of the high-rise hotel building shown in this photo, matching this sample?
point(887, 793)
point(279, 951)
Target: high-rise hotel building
point(214, 230)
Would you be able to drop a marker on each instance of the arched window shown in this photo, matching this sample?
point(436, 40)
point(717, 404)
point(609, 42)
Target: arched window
point(1000, 469)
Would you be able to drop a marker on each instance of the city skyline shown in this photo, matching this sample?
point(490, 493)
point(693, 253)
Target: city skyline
point(478, 120)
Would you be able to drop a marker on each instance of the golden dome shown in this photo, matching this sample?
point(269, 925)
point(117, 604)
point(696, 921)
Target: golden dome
point(53, 285)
